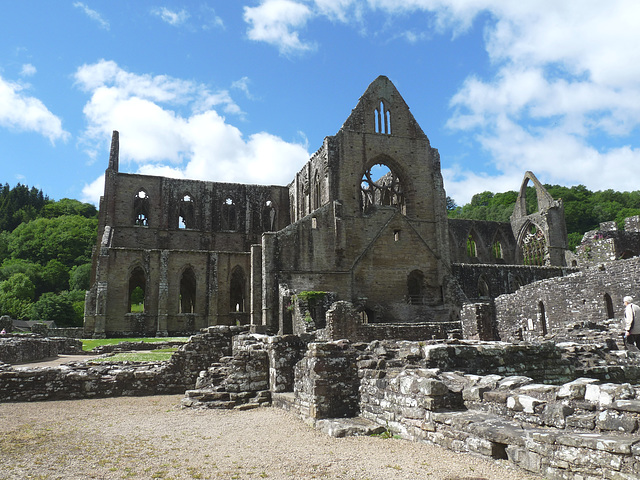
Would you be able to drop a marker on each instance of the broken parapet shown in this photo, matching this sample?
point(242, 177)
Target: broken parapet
point(31, 348)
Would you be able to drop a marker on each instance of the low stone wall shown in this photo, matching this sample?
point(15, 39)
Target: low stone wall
point(87, 380)
point(31, 348)
point(578, 430)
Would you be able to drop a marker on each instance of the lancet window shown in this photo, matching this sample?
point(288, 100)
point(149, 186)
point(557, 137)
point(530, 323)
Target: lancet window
point(141, 209)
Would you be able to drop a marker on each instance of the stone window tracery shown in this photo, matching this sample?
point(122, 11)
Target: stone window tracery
point(386, 189)
point(141, 209)
point(534, 246)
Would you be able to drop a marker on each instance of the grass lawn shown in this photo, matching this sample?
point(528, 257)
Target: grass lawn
point(160, 355)
point(89, 344)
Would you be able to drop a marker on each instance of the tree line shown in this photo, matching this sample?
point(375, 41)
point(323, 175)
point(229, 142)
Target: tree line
point(45, 255)
point(584, 210)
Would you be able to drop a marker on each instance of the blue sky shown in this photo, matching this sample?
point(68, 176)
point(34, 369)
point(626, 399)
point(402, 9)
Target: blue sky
point(244, 91)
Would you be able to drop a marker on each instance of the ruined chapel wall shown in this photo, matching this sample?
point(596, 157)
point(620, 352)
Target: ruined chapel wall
point(574, 299)
point(485, 235)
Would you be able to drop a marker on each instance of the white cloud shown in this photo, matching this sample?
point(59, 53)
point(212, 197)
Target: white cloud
point(28, 70)
point(172, 127)
point(170, 16)
point(26, 113)
point(93, 15)
point(275, 22)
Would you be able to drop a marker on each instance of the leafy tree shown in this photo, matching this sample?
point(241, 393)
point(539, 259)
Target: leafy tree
point(55, 276)
point(68, 239)
point(16, 296)
point(55, 307)
point(79, 277)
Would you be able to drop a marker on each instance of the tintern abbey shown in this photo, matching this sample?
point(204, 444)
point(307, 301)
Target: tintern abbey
point(364, 222)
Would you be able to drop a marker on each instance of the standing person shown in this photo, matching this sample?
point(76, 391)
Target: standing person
point(631, 322)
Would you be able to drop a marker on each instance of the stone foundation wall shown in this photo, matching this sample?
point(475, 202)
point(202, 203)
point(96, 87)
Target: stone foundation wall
point(31, 348)
point(87, 380)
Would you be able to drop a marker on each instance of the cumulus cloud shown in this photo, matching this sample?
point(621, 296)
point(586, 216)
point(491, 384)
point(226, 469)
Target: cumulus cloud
point(175, 128)
point(22, 112)
point(93, 15)
point(276, 22)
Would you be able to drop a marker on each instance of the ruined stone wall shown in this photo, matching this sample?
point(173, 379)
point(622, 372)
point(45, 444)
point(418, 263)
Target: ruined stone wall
point(481, 282)
point(31, 348)
point(86, 380)
point(592, 295)
point(494, 242)
point(608, 243)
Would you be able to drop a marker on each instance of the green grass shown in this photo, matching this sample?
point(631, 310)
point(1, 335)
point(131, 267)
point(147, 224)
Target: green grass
point(89, 344)
point(150, 356)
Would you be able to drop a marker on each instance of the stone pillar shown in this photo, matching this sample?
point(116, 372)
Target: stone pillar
point(256, 284)
point(270, 300)
point(101, 305)
point(163, 295)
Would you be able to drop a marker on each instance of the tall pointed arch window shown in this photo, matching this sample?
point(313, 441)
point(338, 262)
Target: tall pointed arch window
point(137, 290)
point(472, 246)
point(381, 186)
point(269, 216)
point(534, 246)
point(186, 215)
point(229, 215)
point(382, 119)
point(188, 291)
point(237, 290)
point(316, 191)
point(141, 208)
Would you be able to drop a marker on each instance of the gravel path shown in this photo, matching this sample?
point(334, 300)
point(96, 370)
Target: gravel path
point(151, 437)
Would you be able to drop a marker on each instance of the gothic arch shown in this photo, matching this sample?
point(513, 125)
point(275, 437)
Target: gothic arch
point(237, 290)
point(141, 208)
point(229, 215)
point(186, 213)
point(187, 298)
point(608, 303)
point(137, 290)
point(533, 244)
point(542, 317)
point(416, 287)
point(383, 184)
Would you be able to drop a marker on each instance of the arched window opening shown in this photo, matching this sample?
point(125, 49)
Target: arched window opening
point(483, 288)
point(186, 216)
point(237, 290)
point(141, 209)
point(269, 216)
point(188, 291)
point(609, 306)
point(382, 119)
point(542, 318)
point(497, 250)
point(367, 316)
point(229, 216)
point(316, 192)
point(381, 186)
point(416, 288)
point(472, 248)
point(534, 246)
point(137, 290)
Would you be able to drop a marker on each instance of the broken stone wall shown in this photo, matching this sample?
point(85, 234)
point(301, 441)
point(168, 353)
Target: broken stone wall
point(106, 379)
point(31, 348)
point(555, 305)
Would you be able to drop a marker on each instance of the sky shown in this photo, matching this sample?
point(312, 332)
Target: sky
point(246, 90)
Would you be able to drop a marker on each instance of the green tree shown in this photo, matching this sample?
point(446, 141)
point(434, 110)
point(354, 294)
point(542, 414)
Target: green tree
point(54, 307)
point(80, 276)
point(16, 296)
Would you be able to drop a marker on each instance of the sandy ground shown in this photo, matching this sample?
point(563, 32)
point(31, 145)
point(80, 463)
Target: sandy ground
point(151, 437)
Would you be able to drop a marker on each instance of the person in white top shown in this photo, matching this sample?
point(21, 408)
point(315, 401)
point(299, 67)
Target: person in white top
point(631, 322)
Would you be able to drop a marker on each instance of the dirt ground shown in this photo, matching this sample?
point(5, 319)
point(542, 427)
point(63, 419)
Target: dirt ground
point(151, 437)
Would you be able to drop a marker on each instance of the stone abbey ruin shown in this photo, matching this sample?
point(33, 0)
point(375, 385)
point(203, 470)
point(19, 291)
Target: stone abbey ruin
point(350, 299)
